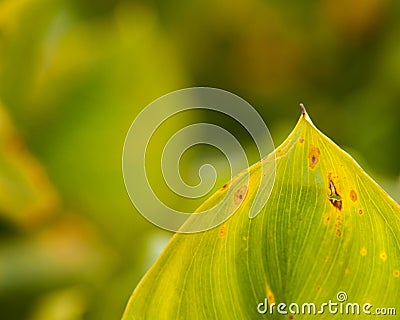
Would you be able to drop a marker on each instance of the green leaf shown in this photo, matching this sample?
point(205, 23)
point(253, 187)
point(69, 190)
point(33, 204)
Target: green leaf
point(27, 197)
point(327, 227)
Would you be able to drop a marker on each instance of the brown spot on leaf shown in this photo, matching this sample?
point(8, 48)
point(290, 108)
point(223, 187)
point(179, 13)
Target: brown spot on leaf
point(301, 140)
point(222, 231)
point(396, 273)
point(291, 317)
point(334, 197)
point(337, 204)
point(327, 219)
point(226, 185)
point(360, 212)
point(313, 156)
point(353, 196)
point(338, 225)
point(240, 194)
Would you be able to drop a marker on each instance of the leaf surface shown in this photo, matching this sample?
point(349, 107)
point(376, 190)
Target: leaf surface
point(327, 227)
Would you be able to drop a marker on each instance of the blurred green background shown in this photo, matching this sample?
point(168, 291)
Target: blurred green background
point(73, 76)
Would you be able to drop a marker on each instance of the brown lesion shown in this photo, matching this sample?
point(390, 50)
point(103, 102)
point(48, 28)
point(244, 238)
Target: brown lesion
point(313, 156)
point(338, 225)
point(334, 197)
point(353, 196)
point(222, 231)
point(240, 194)
point(226, 186)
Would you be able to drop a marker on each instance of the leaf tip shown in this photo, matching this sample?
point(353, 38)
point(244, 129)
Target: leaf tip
point(304, 113)
point(303, 109)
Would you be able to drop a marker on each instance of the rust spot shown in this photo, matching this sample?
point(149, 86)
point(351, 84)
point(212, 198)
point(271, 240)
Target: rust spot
point(353, 196)
point(327, 219)
point(363, 252)
point(313, 157)
point(270, 296)
point(291, 317)
point(360, 212)
point(318, 288)
point(222, 231)
point(383, 256)
point(240, 194)
point(226, 185)
point(338, 225)
point(301, 140)
point(396, 273)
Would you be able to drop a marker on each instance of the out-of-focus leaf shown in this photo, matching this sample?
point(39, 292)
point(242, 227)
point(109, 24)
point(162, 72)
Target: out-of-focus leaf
point(27, 198)
point(67, 304)
point(327, 227)
point(62, 254)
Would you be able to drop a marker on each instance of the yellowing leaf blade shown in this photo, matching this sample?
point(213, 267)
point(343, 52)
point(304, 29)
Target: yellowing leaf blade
point(327, 228)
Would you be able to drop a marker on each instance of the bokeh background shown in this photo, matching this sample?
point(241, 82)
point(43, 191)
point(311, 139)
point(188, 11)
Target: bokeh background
point(73, 76)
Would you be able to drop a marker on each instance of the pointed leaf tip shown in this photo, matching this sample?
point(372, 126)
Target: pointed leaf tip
point(304, 113)
point(303, 109)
